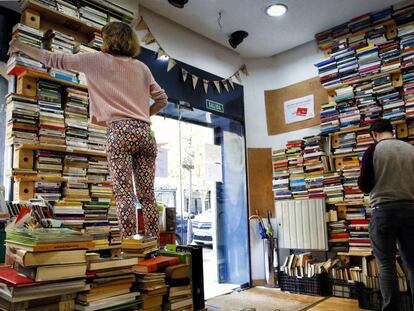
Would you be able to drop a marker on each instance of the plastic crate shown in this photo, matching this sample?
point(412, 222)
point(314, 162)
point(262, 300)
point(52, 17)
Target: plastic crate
point(318, 285)
point(371, 299)
point(344, 289)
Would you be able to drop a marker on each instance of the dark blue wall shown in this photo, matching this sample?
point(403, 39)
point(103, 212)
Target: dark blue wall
point(178, 90)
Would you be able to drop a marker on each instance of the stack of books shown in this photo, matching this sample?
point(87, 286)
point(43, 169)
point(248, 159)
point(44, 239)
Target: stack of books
point(381, 16)
point(97, 168)
point(316, 163)
point(139, 246)
point(358, 23)
point(329, 118)
point(338, 236)
point(406, 34)
point(344, 94)
point(110, 282)
point(76, 191)
point(96, 221)
point(349, 115)
point(347, 142)
point(382, 85)
point(75, 166)
point(76, 118)
point(328, 73)
point(367, 103)
point(97, 41)
point(179, 288)
point(101, 191)
point(357, 41)
point(99, 234)
point(297, 184)
point(359, 236)
point(153, 289)
point(393, 106)
point(22, 115)
point(403, 12)
point(333, 187)
point(115, 234)
point(280, 175)
point(48, 163)
point(377, 35)
point(368, 60)
point(51, 120)
point(390, 55)
point(350, 172)
point(67, 8)
point(56, 41)
point(364, 141)
point(70, 213)
point(97, 137)
point(48, 191)
point(347, 65)
point(408, 79)
point(49, 269)
point(93, 16)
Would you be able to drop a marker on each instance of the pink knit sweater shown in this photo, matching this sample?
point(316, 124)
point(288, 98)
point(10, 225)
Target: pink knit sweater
point(119, 87)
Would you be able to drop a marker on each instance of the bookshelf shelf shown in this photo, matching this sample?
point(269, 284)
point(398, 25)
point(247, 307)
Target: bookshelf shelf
point(57, 179)
point(62, 19)
point(358, 129)
point(355, 254)
point(60, 149)
point(21, 71)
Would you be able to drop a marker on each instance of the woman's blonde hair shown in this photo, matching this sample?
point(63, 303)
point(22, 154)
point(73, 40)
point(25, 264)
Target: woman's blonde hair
point(120, 40)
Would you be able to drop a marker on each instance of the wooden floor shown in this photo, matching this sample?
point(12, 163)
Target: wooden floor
point(336, 304)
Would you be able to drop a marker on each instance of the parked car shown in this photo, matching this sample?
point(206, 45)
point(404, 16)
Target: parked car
point(182, 228)
point(202, 228)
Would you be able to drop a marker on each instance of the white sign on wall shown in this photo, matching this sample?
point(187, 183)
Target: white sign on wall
point(299, 109)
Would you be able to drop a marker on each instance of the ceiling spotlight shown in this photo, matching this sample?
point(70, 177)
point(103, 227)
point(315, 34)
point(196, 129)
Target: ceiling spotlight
point(164, 58)
point(276, 9)
point(178, 3)
point(237, 37)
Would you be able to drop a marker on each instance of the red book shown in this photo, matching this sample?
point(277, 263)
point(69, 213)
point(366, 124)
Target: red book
point(156, 264)
point(359, 221)
point(13, 278)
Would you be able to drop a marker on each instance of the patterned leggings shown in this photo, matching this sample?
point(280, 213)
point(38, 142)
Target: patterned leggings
point(131, 151)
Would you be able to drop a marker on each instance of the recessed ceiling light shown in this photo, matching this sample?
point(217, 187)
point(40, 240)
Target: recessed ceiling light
point(276, 9)
point(164, 58)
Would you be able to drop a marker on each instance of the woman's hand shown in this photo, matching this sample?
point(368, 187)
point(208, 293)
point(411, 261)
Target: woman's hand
point(14, 46)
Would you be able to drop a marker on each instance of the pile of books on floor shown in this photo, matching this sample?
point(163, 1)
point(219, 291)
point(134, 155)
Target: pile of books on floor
point(70, 213)
point(280, 175)
point(329, 118)
point(333, 187)
point(110, 281)
point(93, 16)
point(97, 137)
point(297, 184)
point(338, 236)
point(97, 168)
point(316, 163)
point(51, 120)
point(76, 118)
point(179, 288)
point(139, 246)
point(32, 37)
point(22, 116)
point(48, 270)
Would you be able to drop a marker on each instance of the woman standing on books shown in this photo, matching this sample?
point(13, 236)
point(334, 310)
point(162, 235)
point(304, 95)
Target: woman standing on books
point(119, 88)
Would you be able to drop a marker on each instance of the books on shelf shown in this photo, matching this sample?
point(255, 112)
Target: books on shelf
point(97, 41)
point(70, 213)
point(329, 117)
point(96, 137)
point(338, 236)
point(280, 175)
point(76, 118)
point(139, 246)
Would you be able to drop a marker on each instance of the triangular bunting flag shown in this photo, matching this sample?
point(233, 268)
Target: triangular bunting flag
point(171, 64)
point(230, 81)
point(148, 38)
point(142, 25)
point(226, 86)
point(237, 75)
point(195, 80)
point(160, 53)
point(217, 85)
point(244, 70)
point(184, 74)
point(205, 83)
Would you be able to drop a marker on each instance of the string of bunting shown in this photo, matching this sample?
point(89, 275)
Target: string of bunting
point(149, 38)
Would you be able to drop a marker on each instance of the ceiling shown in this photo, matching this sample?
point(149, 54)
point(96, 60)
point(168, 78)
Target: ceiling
point(267, 35)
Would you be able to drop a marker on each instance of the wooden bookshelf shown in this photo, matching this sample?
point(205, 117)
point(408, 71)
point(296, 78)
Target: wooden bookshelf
point(60, 149)
point(355, 254)
point(55, 17)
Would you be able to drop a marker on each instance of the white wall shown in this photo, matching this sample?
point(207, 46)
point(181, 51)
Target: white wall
point(272, 73)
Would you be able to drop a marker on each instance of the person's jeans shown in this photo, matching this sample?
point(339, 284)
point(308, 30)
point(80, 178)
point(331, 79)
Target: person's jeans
point(391, 224)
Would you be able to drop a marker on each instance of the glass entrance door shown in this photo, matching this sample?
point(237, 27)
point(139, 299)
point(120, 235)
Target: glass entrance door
point(201, 173)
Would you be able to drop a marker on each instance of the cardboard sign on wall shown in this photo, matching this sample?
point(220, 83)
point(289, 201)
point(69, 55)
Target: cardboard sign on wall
point(275, 99)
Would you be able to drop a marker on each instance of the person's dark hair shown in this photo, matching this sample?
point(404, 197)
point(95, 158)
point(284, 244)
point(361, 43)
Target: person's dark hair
point(381, 126)
point(120, 40)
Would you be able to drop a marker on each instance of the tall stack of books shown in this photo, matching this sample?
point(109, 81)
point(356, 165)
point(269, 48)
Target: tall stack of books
point(328, 73)
point(367, 104)
point(179, 292)
point(349, 114)
point(75, 165)
point(70, 213)
point(333, 187)
point(329, 118)
point(297, 184)
point(51, 120)
point(32, 37)
point(153, 289)
point(138, 246)
point(350, 173)
point(76, 118)
point(96, 221)
point(97, 137)
point(48, 163)
point(49, 268)
point(115, 234)
point(316, 163)
point(347, 142)
point(97, 168)
point(22, 115)
point(368, 60)
point(347, 65)
point(359, 236)
point(110, 283)
point(390, 55)
point(93, 16)
point(280, 175)
point(338, 236)
point(393, 106)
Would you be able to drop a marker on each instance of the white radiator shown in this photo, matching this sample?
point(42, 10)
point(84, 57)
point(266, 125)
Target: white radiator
point(302, 224)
